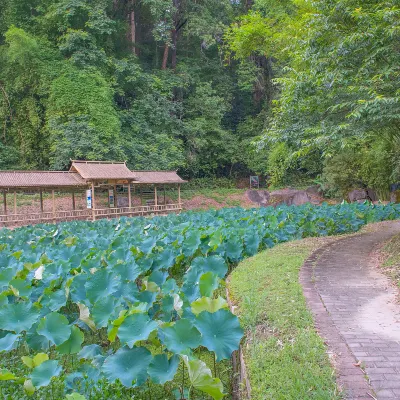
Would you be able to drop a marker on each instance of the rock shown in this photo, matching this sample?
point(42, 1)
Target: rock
point(314, 190)
point(361, 195)
point(260, 197)
point(290, 197)
point(395, 196)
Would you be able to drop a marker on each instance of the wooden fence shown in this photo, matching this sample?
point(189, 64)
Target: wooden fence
point(11, 220)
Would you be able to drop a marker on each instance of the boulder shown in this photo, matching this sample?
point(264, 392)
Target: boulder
point(290, 197)
point(361, 195)
point(314, 190)
point(260, 197)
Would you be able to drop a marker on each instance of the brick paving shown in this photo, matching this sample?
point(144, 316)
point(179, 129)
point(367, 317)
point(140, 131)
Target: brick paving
point(356, 311)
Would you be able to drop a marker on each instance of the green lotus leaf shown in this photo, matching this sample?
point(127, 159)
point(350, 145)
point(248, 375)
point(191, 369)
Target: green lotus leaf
point(215, 264)
point(6, 275)
point(208, 283)
point(181, 336)
point(191, 243)
point(162, 370)
point(41, 375)
point(207, 304)
point(201, 378)
point(55, 300)
point(35, 361)
point(128, 365)
point(75, 396)
point(28, 387)
point(55, 328)
point(221, 332)
point(90, 351)
point(74, 342)
point(22, 286)
point(6, 375)
point(101, 284)
point(134, 328)
point(7, 342)
point(102, 311)
point(18, 317)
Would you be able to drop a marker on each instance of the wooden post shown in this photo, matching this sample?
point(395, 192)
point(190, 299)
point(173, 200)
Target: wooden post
point(179, 196)
point(115, 197)
point(155, 196)
point(54, 205)
point(5, 202)
point(129, 196)
point(15, 202)
point(141, 195)
point(93, 204)
point(41, 200)
point(165, 199)
point(73, 201)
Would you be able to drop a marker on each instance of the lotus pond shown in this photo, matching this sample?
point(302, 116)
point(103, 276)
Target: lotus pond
point(135, 308)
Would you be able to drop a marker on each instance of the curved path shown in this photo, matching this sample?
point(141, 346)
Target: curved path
point(356, 311)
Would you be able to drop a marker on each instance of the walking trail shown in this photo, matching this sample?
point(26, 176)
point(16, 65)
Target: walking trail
point(356, 311)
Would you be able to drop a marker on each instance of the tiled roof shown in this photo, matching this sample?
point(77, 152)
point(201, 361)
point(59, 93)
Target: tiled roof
point(25, 179)
point(101, 170)
point(157, 177)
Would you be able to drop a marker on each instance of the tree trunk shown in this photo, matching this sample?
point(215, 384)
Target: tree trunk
point(174, 48)
point(165, 56)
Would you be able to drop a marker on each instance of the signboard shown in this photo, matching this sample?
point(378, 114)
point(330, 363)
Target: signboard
point(254, 182)
point(89, 198)
point(111, 198)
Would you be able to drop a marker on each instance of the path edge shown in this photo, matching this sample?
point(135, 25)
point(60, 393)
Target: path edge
point(350, 378)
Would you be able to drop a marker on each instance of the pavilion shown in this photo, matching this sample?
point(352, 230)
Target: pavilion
point(91, 177)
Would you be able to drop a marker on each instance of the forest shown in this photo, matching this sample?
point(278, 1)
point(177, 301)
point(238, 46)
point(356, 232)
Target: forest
point(295, 90)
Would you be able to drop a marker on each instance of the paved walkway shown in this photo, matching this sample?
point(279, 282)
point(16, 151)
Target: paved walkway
point(356, 311)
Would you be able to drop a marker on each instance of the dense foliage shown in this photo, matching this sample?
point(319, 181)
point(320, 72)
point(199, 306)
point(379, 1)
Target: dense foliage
point(131, 299)
point(140, 80)
point(337, 79)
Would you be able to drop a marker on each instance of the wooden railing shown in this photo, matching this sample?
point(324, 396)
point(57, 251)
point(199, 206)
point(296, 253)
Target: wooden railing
point(10, 220)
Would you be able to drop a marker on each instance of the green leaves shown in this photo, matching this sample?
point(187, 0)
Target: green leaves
point(162, 370)
point(55, 328)
point(100, 285)
point(207, 304)
point(134, 328)
point(181, 337)
point(17, 317)
point(221, 332)
point(201, 378)
point(7, 342)
point(74, 342)
point(41, 375)
point(128, 365)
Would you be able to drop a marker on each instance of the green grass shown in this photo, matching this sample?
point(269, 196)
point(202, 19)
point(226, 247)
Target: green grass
point(391, 265)
point(285, 357)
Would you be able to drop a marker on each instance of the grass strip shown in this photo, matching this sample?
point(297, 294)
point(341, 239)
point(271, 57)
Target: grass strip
point(284, 355)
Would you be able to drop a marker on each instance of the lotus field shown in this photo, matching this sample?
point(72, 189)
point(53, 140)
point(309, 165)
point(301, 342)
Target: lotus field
point(136, 302)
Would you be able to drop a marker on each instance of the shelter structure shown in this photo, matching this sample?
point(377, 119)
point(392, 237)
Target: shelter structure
point(98, 181)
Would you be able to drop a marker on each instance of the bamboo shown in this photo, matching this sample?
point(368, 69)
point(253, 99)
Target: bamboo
point(15, 202)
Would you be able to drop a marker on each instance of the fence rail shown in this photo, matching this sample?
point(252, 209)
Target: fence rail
point(87, 214)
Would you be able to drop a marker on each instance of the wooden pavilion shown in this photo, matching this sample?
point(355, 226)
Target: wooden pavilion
point(91, 178)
